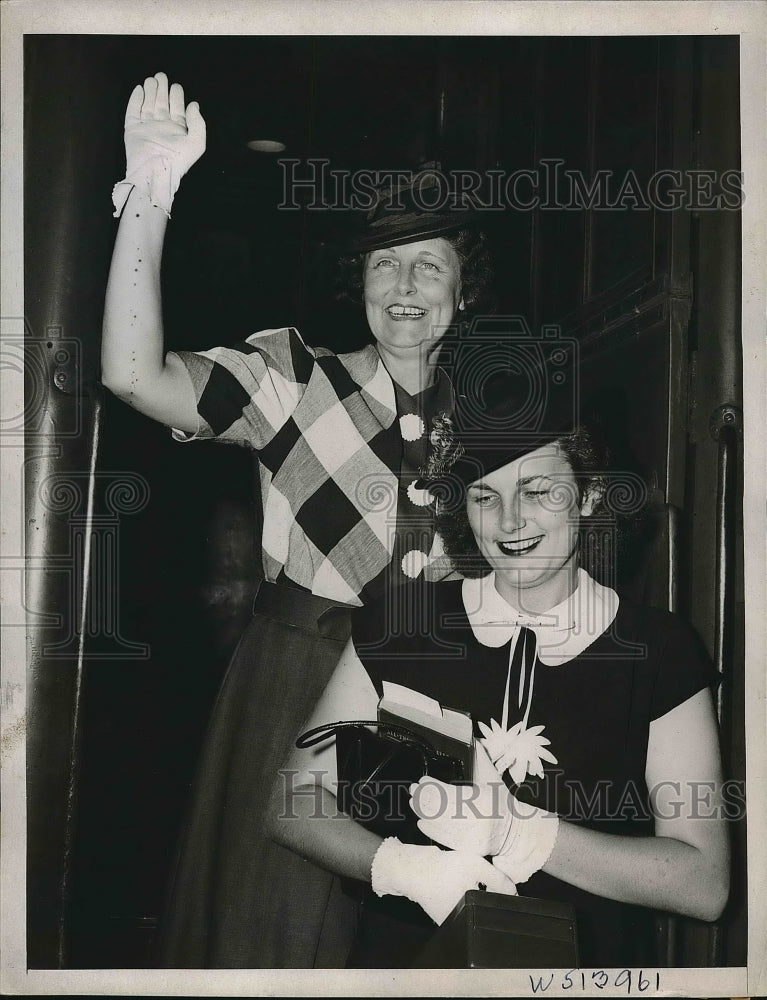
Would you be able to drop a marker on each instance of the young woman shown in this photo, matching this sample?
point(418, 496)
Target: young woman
point(594, 712)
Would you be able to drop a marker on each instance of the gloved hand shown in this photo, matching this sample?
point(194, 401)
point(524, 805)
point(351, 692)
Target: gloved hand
point(433, 878)
point(475, 818)
point(529, 842)
point(486, 819)
point(162, 141)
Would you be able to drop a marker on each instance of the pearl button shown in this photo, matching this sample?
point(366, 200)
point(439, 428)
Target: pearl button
point(411, 427)
point(421, 498)
point(413, 563)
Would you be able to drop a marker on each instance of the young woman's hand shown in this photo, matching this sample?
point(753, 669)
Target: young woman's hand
point(435, 879)
point(163, 138)
point(474, 817)
point(485, 819)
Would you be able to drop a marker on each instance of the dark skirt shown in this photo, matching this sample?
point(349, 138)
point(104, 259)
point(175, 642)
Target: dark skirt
point(238, 900)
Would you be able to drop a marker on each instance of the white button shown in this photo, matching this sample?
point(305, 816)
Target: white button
point(411, 427)
point(413, 563)
point(421, 498)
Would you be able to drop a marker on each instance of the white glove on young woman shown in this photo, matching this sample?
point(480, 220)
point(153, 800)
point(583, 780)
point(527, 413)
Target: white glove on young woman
point(162, 141)
point(433, 878)
point(486, 819)
point(474, 818)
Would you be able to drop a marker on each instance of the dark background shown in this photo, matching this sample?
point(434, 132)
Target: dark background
point(651, 297)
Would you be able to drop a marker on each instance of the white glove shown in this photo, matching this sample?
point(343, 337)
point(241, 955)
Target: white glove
point(162, 141)
point(435, 879)
point(475, 818)
point(486, 819)
point(529, 843)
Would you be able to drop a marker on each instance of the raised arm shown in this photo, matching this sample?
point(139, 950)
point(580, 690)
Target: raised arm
point(163, 138)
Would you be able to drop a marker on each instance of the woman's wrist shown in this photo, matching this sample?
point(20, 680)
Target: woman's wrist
point(529, 842)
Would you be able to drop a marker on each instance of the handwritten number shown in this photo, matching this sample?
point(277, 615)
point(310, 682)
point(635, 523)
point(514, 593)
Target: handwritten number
point(624, 979)
point(599, 978)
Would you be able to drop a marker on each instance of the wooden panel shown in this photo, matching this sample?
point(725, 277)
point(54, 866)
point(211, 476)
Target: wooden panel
point(624, 144)
point(563, 145)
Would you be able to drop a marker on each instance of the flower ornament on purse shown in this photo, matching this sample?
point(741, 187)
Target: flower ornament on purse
point(518, 750)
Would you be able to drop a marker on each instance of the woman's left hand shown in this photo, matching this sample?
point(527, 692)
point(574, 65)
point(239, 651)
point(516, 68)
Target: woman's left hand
point(433, 878)
point(164, 137)
point(476, 817)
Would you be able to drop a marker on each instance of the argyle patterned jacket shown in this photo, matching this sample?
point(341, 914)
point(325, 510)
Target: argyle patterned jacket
point(330, 449)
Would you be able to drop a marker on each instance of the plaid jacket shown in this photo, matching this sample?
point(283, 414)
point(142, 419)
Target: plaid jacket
point(330, 449)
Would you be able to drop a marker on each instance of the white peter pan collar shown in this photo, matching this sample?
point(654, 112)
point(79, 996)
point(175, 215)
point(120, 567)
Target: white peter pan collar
point(562, 633)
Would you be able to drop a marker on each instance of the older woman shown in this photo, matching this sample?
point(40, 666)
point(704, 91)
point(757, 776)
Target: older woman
point(340, 439)
point(594, 712)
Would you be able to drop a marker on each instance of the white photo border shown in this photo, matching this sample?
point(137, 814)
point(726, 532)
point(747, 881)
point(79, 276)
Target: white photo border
point(390, 17)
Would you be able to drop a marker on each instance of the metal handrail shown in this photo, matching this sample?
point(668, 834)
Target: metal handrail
point(724, 425)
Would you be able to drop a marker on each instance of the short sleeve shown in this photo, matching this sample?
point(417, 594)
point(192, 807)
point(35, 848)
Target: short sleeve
point(245, 393)
point(684, 668)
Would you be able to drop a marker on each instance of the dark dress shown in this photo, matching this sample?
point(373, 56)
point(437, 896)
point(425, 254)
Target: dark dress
point(597, 709)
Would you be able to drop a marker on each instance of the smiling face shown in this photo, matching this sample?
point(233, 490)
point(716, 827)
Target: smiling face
point(525, 519)
point(412, 292)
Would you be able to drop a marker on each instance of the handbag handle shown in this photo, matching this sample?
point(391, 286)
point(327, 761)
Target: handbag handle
point(399, 734)
point(328, 729)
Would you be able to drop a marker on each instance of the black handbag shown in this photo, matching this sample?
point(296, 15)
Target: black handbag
point(489, 930)
point(376, 769)
point(486, 929)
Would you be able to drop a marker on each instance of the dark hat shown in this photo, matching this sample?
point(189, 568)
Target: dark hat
point(424, 207)
point(501, 415)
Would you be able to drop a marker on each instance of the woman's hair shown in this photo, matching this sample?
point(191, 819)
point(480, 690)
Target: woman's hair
point(477, 274)
point(587, 454)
